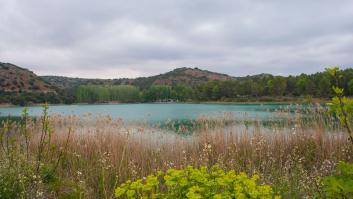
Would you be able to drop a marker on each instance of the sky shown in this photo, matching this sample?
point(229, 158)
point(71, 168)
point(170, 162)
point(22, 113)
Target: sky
point(114, 38)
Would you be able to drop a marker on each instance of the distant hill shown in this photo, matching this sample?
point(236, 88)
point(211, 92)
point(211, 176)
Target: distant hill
point(64, 83)
point(14, 79)
point(253, 77)
point(21, 86)
point(186, 76)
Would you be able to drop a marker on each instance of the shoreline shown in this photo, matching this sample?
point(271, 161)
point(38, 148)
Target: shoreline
point(299, 101)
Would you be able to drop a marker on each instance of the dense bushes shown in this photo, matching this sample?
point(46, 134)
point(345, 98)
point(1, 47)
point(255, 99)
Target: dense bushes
point(27, 98)
point(316, 85)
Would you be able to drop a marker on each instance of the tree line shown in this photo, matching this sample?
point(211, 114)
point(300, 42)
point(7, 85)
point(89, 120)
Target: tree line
point(99, 93)
point(251, 87)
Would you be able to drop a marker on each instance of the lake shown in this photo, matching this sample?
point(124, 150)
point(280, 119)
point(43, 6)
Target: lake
point(155, 112)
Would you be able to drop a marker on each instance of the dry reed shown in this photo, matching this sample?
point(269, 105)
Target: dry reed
point(103, 152)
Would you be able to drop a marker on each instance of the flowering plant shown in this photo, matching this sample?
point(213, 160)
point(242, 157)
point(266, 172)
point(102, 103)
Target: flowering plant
point(195, 183)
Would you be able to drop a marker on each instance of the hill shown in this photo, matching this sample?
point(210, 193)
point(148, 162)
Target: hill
point(21, 86)
point(66, 83)
point(16, 79)
point(187, 76)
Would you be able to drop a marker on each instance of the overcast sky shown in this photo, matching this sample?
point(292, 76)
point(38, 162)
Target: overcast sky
point(114, 38)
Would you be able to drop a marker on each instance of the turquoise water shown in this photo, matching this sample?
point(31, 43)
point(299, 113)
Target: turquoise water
point(154, 112)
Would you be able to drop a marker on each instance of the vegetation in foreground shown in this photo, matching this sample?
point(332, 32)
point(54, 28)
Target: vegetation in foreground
point(196, 183)
point(69, 157)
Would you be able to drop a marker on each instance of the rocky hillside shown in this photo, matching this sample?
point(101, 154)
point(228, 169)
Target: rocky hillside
point(187, 76)
point(65, 83)
point(18, 80)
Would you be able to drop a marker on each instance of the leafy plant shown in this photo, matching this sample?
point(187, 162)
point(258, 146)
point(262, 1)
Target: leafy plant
point(340, 105)
point(195, 183)
point(340, 185)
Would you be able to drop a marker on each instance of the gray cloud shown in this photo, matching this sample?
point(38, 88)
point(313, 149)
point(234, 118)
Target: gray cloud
point(113, 38)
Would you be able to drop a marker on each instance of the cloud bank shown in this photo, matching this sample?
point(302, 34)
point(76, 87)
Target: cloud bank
point(114, 38)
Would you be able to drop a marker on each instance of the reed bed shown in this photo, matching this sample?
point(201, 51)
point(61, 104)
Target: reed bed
point(98, 153)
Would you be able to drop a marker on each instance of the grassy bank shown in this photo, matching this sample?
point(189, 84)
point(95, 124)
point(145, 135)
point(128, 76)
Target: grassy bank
point(74, 157)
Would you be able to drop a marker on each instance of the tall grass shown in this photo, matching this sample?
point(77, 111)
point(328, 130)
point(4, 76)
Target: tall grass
point(88, 157)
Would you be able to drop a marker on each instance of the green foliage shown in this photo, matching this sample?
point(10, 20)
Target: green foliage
point(31, 176)
point(195, 183)
point(157, 93)
point(342, 108)
point(350, 86)
point(27, 98)
point(324, 87)
point(278, 86)
point(14, 180)
point(333, 71)
point(340, 105)
point(315, 85)
point(124, 93)
point(340, 185)
point(182, 93)
point(98, 93)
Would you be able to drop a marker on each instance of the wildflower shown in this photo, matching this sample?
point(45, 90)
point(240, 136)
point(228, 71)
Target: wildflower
point(39, 194)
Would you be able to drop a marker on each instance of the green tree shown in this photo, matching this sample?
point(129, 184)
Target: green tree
point(350, 87)
point(278, 86)
point(101, 93)
point(181, 92)
point(157, 93)
point(324, 86)
point(216, 92)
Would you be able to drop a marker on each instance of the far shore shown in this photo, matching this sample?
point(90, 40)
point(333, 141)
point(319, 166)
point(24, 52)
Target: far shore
point(294, 101)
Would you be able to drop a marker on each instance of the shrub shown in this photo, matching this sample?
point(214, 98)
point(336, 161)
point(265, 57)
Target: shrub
point(340, 105)
point(340, 185)
point(195, 183)
point(24, 174)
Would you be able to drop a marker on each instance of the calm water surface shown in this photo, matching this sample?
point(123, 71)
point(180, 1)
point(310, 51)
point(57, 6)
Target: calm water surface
point(155, 112)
